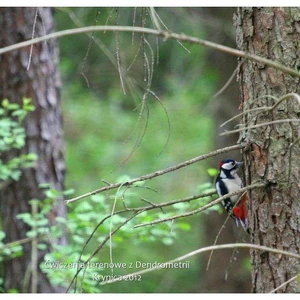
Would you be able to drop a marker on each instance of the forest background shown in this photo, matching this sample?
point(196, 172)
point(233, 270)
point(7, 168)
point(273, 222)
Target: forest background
point(110, 136)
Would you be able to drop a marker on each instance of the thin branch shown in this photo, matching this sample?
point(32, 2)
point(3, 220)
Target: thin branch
point(205, 249)
point(164, 34)
point(34, 251)
point(242, 128)
point(168, 30)
point(111, 225)
point(202, 208)
point(263, 108)
point(290, 157)
point(160, 205)
point(153, 16)
point(266, 108)
point(32, 36)
point(141, 133)
point(118, 56)
point(91, 39)
point(98, 248)
point(168, 121)
point(157, 173)
point(219, 232)
point(228, 82)
point(284, 284)
point(136, 211)
point(216, 240)
point(22, 241)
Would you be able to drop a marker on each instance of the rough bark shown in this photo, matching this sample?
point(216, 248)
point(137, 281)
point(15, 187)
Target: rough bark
point(39, 81)
point(274, 212)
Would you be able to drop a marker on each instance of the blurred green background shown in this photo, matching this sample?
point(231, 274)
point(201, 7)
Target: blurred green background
point(111, 134)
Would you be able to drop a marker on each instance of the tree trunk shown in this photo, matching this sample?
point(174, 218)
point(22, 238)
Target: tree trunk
point(31, 73)
point(274, 151)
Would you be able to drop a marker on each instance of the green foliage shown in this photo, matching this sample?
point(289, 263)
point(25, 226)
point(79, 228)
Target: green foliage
point(212, 172)
point(10, 251)
point(61, 264)
point(12, 136)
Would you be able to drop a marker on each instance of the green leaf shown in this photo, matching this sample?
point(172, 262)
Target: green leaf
point(34, 202)
point(2, 235)
point(123, 178)
point(167, 241)
point(42, 246)
point(78, 239)
point(99, 198)
point(16, 247)
point(52, 193)
point(55, 232)
point(183, 226)
point(31, 156)
point(139, 183)
point(24, 216)
point(212, 172)
point(69, 192)
point(18, 113)
point(42, 222)
point(31, 233)
point(45, 185)
point(26, 100)
point(5, 103)
point(45, 208)
point(60, 220)
point(13, 106)
point(6, 251)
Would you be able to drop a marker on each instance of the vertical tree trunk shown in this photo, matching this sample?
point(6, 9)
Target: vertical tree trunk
point(274, 212)
point(31, 72)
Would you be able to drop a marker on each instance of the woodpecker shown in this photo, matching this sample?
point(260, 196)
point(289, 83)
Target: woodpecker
point(228, 181)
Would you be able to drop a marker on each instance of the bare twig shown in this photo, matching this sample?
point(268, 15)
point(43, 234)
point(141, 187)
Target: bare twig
point(111, 225)
point(202, 208)
point(98, 248)
point(266, 108)
point(219, 232)
point(157, 173)
point(205, 249)
point(32, 36)
point(91, 39)
point(284, 284)
point(290, 157)
point(34, 251)
point(168, 121)
point(154, 18)
point(242, 128)
point(136, 211)
point(120, 69)
point(228, 82)
point(164, 34)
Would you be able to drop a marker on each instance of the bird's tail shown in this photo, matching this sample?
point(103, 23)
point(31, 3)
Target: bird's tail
point(240, 212)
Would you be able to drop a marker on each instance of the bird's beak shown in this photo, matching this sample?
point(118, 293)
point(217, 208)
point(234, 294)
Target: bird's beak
point(239, 163)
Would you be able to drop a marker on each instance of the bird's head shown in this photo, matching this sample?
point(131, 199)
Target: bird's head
point(229, 165)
